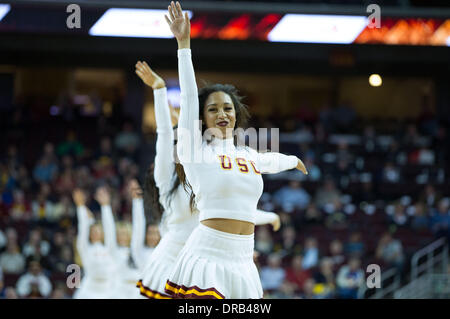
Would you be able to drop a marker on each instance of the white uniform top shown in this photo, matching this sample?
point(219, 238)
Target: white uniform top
point(98, 264)
point(177, 216)
point(226, 179)
point(139, 251)
point(125, 276)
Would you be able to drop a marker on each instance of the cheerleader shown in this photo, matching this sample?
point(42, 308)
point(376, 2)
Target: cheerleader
point(95, 250)
point(178, 220)
point(126, 273)
point(217, 259)
point(142, 242)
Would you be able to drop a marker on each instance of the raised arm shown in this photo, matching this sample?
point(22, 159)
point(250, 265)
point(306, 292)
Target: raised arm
point(138, 224)
point(109, 228)
point(164, 160)
point(263, 218)
point(189, 133)
point(84, 222)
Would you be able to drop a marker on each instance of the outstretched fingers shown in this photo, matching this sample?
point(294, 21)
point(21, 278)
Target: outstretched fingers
point(171, 13)
point(179, 10)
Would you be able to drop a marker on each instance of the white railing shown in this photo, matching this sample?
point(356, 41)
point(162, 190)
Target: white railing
point(428, 286)
point(425, 283)
point(427, 266)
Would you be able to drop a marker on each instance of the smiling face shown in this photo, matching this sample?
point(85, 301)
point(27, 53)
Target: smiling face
point(219, 114)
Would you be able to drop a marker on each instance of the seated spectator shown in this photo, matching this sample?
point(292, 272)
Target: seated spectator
point(12, 261)
point(411, 138)
point(42, 207)
point(336, 253)
point(440, 219)
point(354, 246)
point(369, 140)
point(324, 279)
point(36, 245)
point(420, 219)
point(336, 218)
point(310, 253)
point(65, 183)
point(422, 156)
point(344, 172)
point(296, 275)
point(23, 179)
point(289, 242)
point(63, 208)
point(11, 235)
point(312, 215)
point(399, 217)
point(45, 171)
point(263, 241)
point(286, 291)
point(328, 193)
point(390, 250)
point(127, 140)
point(272, 275)
point(349, 279)
point(34, 283)
point(430, 196)
point(21, 208)
point(292, 197)
point(366, 192)
point(308, 289)
point(84, 177)
point(390, 173)
point(105, 153)
point(71, 146)
point(10, 293)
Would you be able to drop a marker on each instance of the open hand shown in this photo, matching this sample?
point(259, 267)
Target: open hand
point(148, 76)
point(134, 189)
point(179, 24)
point(79, 197)
point(102, 196)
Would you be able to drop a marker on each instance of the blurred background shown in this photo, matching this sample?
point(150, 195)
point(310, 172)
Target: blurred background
point(366, 109)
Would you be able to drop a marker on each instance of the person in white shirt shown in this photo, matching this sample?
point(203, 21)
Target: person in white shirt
point(163, 187)
point(144, 238)
point(12, 261)
point(95, 248)
point(217, 259)
point(34, 284)
point(125, 274)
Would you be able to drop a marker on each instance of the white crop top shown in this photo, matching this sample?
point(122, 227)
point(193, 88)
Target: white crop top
point(225, 179)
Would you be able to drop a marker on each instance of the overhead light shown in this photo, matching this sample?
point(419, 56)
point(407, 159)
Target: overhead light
point(313, 28)
point(4, 9)
point(139, 23)
point(375, 80)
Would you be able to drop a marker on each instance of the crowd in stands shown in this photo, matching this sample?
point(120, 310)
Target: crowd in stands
point(375, 193)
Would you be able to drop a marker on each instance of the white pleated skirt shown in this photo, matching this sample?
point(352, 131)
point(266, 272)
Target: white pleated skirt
point(215, 265)
point(159, 266)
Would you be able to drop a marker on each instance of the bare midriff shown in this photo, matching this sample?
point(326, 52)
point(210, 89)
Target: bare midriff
point(237, 227)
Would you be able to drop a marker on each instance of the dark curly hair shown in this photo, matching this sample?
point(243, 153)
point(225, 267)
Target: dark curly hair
point(242, 118)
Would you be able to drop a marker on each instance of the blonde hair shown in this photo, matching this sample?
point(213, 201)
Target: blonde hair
point(124, 226)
